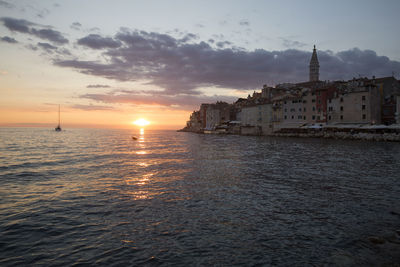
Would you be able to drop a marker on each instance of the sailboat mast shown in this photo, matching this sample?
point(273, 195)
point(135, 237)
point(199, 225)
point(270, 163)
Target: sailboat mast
point(58, 115)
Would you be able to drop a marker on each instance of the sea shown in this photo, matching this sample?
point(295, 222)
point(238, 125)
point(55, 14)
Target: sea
point(97, 197)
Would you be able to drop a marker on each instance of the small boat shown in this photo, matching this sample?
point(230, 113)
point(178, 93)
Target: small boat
point(58, 128)
point(134, 138)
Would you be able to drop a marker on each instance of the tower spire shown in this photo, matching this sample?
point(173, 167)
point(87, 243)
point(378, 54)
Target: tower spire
point(314, 66)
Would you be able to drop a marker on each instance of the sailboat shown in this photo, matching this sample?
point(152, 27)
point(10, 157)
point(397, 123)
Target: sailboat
point(58, 128)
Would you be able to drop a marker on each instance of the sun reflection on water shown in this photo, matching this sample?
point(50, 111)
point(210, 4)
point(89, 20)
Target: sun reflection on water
point(139, 186)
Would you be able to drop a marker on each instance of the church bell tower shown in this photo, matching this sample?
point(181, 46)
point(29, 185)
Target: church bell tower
point(314, 67)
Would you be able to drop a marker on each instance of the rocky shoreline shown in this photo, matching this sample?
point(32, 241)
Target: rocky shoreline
point(388, 134)
point(371, 134)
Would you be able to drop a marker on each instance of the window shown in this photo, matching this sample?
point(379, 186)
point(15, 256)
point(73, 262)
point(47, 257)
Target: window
point(330, 108)
point(304, 117)
point(363, 97)
point(341, 108)
point(292, 110)
point(319, 101)
point(330, 100)
point(304, 101)
point(299, 117)
point(313, 100)
point(285, 109)
point(292, 117)
point(285, 117)
point(341, 99)
point(294, 101)
point(284, 102)
point(313, 117)
point(313, 93)
point(341, 117)
point(363, 107)
point(319, 92)
point(300, 109)
point(329, 117)
point(304, 109)
point(318, 118)
point(364, 116)
point(313, 108)
point(319, 110)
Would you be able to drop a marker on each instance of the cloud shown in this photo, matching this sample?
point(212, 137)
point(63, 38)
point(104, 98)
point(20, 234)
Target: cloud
point(46, 46)
point(92, 107)
point(223, 44)
point(42, 13)
point(24, 26)
point(17, 25)
point(6, 4)
point(76, 26)
point(95, 41)
point(97, 86)
point(189, 37)
point(8, 40)
point(49, 34)
point(185, 102)
point(354, 62)
point(291, 44)
point(244, 22)
point(184, 68)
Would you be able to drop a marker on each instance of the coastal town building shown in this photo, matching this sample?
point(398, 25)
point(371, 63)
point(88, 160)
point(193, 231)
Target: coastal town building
point(292, 110)
point(217, 114)
point(358, 104)
point(306, 105)
point(256, 119)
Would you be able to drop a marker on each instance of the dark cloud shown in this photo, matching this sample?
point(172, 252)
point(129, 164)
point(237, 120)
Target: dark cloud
point(189, 37)
point(24, 26)
point(184, 68)
point(96, 41)
point(46, 46)
point(76, 26)
point(92, 107)
point(355, 62)
point(9, 40)
point(17, 25)
point(97, 86)
point(49, 34)
point(244, 22)
point(223, 44)
point(6, 4)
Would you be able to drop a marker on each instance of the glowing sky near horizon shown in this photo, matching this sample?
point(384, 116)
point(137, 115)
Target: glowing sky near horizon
point(113, 62)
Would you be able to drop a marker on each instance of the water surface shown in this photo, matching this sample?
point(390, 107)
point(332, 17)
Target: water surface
point(97, 197)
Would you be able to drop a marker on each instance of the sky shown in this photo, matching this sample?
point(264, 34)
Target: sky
point(109, 63)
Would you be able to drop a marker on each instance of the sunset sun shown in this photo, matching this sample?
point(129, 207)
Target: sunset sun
point(141, 122)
